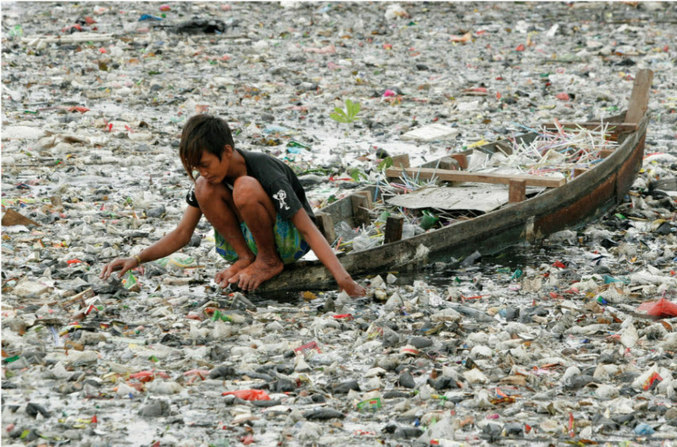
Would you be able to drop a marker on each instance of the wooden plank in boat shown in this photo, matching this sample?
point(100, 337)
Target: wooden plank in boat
point(461, 176)
point(325, 224)
point(394, 225)
point(517, 191)
point(483, 198)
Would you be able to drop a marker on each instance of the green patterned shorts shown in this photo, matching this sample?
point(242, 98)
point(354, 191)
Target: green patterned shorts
point(290, 245)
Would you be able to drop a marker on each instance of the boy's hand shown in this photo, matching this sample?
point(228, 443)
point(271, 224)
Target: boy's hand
point(122, 264)
point(352, 288)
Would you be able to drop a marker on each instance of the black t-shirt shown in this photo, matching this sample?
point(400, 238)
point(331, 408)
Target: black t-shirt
point(277, 179)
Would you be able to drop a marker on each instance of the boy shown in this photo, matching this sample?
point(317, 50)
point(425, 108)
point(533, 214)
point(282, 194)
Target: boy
point(256, 204)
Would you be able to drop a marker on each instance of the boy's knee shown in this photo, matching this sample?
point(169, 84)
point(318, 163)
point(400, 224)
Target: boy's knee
point(246, 189)
point(203, 189)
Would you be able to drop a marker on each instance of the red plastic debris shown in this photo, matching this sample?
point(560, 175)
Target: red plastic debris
point(71, 28)
point(201, 373)
point(307, 347)
point(148, 376)
point(661, 308)
point(248, 394)
point(559, 265)
point(467, 37)
point(91, 309)
point(650, 381)
point(520, 47)
point(563, 96)
point(364, 433)
point(340, 179)
point(78, 109)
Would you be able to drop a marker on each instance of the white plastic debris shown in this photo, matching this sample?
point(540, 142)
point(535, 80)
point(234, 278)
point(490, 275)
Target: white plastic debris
point(92, 118)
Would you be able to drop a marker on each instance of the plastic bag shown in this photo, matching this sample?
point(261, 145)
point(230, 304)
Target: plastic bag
point(660, 309)
point(248, 394)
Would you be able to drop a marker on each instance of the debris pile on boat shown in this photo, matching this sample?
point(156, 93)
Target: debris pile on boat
point(558, 152)
point(562, 154)
point(569, 341)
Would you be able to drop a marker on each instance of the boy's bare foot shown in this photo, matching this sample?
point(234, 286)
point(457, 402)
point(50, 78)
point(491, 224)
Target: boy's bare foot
point(222, 278)
point(256, 273)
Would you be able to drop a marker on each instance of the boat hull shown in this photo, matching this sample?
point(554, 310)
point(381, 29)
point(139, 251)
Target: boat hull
point(581, 200)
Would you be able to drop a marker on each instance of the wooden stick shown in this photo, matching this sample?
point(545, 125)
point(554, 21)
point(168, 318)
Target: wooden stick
point(460, 176)
point(517, 191)
point(393, 231)
point(639, 99)
point(401, 161)
point(326, 226)
point(361, 206)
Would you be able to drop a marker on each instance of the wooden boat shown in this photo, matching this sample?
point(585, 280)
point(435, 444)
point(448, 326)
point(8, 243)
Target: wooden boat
point(562, 204)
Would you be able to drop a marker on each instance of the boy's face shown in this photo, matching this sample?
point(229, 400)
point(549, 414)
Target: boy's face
point(212, 169)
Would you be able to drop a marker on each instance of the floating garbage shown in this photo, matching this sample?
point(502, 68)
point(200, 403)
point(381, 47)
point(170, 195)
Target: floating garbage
point(248, 394)
point(570, 340)
point(660, 309)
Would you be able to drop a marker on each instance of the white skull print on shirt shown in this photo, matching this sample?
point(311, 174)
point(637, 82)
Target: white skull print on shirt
point(281, 197)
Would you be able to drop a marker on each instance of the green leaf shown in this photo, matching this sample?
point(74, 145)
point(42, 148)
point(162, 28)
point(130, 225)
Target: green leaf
point(348, 115)
point(353, 108)
point(355, 174)
point(339, 118)
point(385, 163)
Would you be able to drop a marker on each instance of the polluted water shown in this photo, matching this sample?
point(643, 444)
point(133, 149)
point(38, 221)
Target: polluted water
point(570, 340)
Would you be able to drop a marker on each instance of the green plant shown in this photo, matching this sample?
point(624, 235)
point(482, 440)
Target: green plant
point(385, 164)
point(356, 174)
point(348, 115)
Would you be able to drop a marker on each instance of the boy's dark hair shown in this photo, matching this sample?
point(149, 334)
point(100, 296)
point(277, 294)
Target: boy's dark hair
point(203, 133)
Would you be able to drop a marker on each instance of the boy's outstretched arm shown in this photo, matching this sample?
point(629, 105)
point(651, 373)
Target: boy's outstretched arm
point(325, 254)
point(171, 242)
